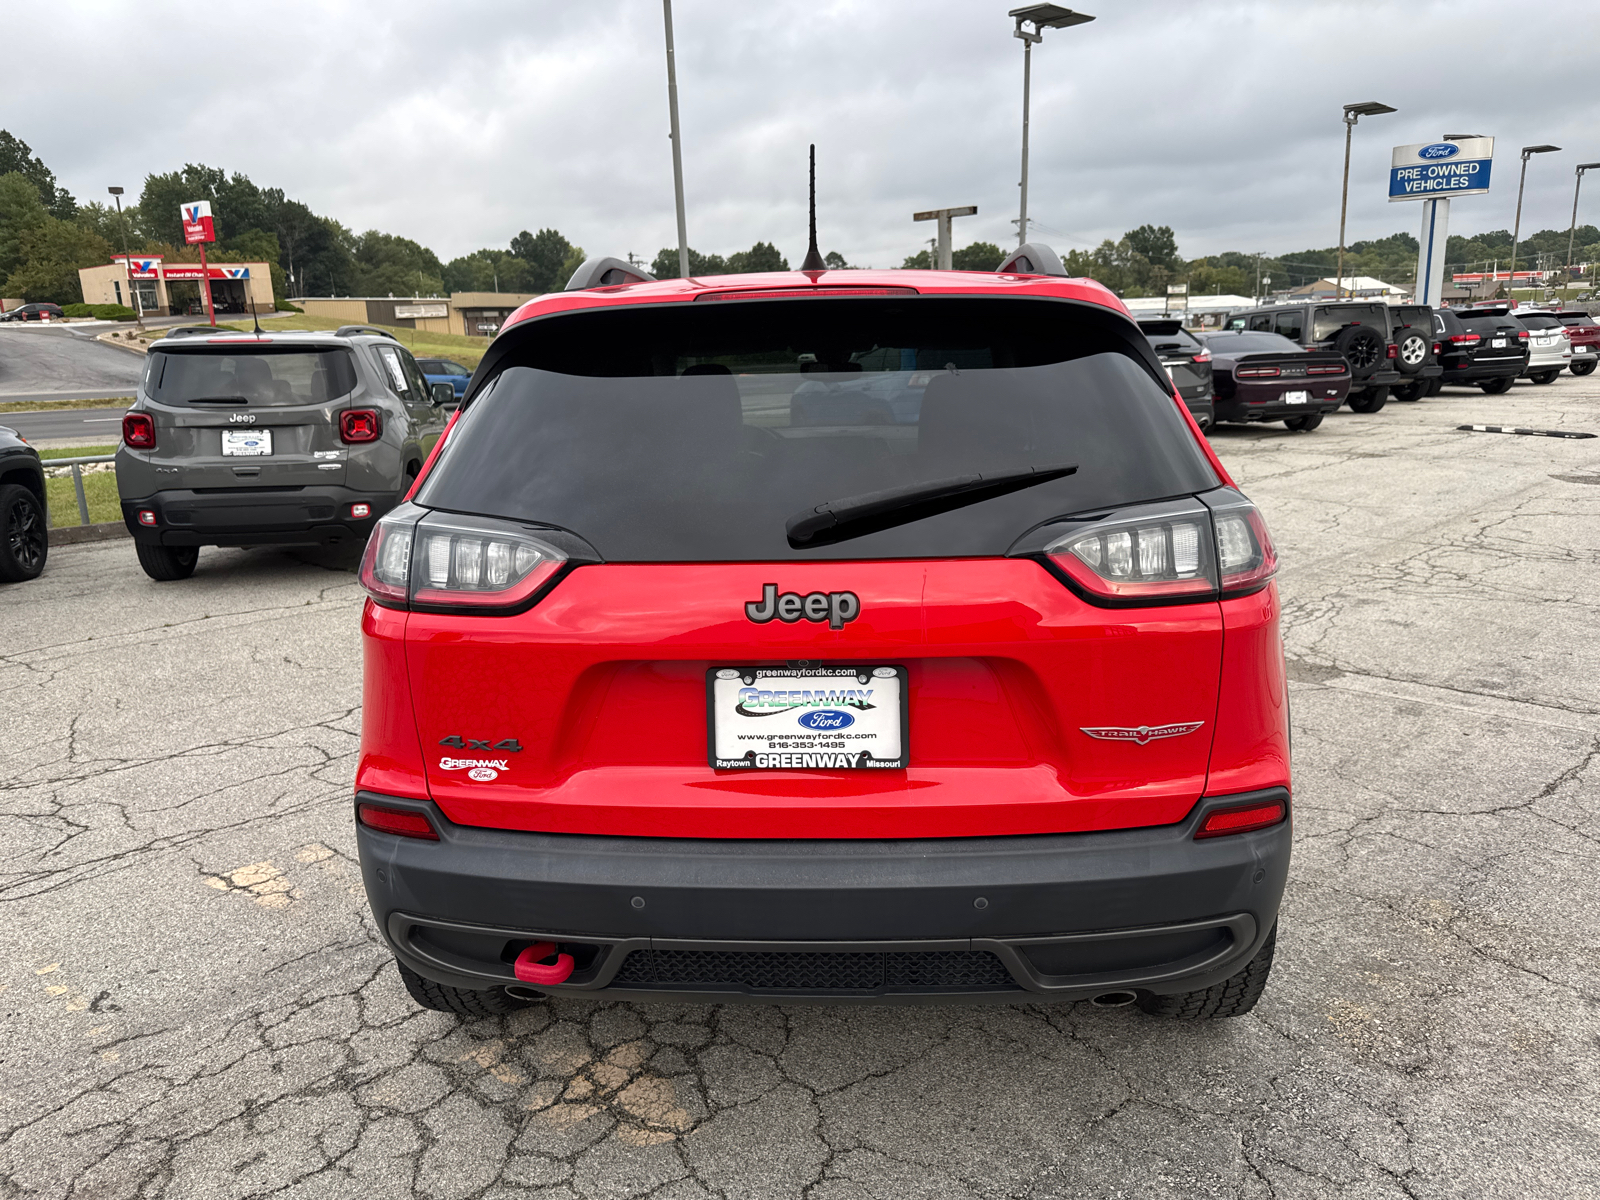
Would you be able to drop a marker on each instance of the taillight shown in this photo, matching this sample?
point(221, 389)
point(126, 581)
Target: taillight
point(1465, 339)
point(1246, 559)
point(1160, 554)
point(138, 431)
point(397, 821)
point(1242, 818)
point(417, 559)
point(359, 425)
point(1523, 336)
point(1327, 369)
point(1203, 357)
point(1394, 351)
point(1437, 349)
point(1255, 372)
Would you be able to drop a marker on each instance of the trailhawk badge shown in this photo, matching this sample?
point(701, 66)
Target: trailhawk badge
point(1140, 733)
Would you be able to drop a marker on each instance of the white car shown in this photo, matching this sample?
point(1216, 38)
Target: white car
point(1549, 346)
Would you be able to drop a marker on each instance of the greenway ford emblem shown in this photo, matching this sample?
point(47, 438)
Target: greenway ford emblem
point(1140, 733)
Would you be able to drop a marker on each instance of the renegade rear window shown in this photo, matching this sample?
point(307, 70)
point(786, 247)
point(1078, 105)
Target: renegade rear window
point(693, 433)
point(265, 377)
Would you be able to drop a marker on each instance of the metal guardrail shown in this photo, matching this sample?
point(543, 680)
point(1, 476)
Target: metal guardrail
point(77, 465)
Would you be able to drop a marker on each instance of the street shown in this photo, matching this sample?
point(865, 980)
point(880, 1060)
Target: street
point(62, 363)
point(58, 423)
point(198, 1003)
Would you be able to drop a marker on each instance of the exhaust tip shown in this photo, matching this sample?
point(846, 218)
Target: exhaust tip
point(1114, 999)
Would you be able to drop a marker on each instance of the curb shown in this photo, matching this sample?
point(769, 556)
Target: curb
point(70, 535)
point(109, 338)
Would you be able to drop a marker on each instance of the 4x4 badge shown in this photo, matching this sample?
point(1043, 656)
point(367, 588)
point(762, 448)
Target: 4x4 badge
point(1140, 733)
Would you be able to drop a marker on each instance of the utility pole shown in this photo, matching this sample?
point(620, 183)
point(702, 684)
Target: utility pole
point(138, 302)
point(677, 143)
point(942, 248)
point(1352, 114)
point(1041, 17)
point(1516, 229)
point(1573, 228)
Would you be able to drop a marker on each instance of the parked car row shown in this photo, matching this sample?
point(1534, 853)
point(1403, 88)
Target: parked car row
point(42, 311)
point(1296, 363)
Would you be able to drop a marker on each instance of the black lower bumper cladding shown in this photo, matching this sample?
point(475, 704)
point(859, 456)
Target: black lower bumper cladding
point(1058, 916)
point(254, 516)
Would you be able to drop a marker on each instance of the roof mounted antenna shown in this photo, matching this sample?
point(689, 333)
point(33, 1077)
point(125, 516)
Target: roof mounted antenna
point(813, 260)
point(254, 318)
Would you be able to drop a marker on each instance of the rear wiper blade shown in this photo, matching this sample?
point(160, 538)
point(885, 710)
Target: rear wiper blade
point(219, 400)
point(855, 516)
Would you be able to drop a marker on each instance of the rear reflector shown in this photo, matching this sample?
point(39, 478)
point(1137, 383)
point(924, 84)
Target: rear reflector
point(147, 516)
point(139, 431)
point(360, 511)
point(397, 821)
point(1242, 819)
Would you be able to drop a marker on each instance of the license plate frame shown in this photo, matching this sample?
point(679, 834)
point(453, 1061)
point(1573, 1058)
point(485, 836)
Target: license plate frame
point(1297, 397)
point(787, 745)
point(246, 443)
point(1497, 343)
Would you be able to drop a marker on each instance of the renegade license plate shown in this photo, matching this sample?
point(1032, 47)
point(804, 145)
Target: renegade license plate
point(246, 441)
point(806, 718)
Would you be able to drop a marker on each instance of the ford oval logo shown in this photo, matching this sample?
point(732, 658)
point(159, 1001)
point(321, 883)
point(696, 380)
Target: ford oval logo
point(1439, 150)
point(827, 718)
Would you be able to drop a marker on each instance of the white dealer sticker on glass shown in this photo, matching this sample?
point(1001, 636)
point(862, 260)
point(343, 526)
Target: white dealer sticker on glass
point(246, 441)
point(806, 718)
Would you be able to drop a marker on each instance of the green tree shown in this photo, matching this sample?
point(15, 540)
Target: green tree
point(52, 252)
point(16, 156)
point(1157, 245)
point(834, 261)
point(164, 195)
point(21, 210)
point(763, 256)
point(550, 257)
point(665, 265)
point(386, 265)
point(489, 271)
point(979, 256)
point(101, 219)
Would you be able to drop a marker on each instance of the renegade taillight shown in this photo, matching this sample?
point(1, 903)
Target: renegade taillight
point(1255, 372)
point(1242, 818)
point(1157, 556)
point(1246, 560)
point(440, 561)
point(359, 425)
point(138, 431)
point(397, 820)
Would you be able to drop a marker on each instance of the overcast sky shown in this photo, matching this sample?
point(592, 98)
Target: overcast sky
point(459, 125)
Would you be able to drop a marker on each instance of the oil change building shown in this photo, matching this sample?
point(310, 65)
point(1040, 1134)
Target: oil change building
point(167, 289)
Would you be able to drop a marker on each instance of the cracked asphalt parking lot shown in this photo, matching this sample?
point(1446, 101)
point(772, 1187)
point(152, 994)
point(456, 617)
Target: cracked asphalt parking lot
point(196, 1002)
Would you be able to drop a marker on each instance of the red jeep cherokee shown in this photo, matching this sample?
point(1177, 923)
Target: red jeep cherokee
point(854, 635)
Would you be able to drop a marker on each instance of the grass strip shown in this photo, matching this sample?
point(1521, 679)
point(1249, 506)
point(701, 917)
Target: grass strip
point(11, 406)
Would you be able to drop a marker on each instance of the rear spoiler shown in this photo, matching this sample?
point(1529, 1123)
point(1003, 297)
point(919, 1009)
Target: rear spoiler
point(1032, 258)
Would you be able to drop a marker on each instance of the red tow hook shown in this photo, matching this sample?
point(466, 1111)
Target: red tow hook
point(530, 970)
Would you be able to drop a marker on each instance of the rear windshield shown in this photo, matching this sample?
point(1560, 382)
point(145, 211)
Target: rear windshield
point(1422, 317)
point(1541, 322)
point(1325, 322)
point(1252, 343)
point(1578, 320)
point(1170, 338)
point(1486, 323)
point(264, 377)
point(694, 433)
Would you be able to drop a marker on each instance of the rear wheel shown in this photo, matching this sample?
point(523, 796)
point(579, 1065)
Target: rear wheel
point(1233, 997)
point(24, 540)
point(1304, 424)
point(1369, 400)
point(464, 1003)
point(167, 563)
point(1497, 387)
point(1361, 346)
point(1414, 389)
point(1586, 367)
point(1435, 385)
point(1545, 376)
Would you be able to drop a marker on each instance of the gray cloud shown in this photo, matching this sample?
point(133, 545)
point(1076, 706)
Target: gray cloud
point(460, 125)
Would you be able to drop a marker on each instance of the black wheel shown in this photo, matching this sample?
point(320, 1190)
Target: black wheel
point(1233, 997)
point(1362, 348)
point(443, 998)
point(1369, 400)
point(1586, 367)
point(167, 563)
point(24, 539)
point(1304, 424)
point(1497, 387)
point(1435, 385)
point(1545, 376)
point(1412, 389)
point(1412, 352)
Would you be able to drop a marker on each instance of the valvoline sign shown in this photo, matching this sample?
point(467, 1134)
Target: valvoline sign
point(1433, 170)
point(197, 225)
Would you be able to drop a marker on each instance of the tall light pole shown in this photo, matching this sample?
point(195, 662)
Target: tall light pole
point(1516, 229)
point(1352, 114)
point(1573, 228)
point(677, 143)
point(1041, 17)
point(127, 262)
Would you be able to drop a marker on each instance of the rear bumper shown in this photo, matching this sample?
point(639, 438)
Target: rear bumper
point(303, 516)
point(1473, 371)
point(1061, 916)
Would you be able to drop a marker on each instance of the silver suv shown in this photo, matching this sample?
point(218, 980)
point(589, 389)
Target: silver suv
point(240, 439)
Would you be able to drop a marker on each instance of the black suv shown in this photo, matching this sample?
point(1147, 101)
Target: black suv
point(1483, 347)
point(1358, 329)
point(1416, 351)
point(1188, 362)
point(24, 536)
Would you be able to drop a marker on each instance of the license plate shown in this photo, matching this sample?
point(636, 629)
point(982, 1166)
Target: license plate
point(807, 719)
point(1498, 344)
point(1296, 397)
point(245, 442)
point(1583, 349)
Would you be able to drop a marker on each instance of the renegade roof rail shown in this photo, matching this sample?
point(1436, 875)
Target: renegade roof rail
point(356, 330)
point(606, 272)
point(1032, 258)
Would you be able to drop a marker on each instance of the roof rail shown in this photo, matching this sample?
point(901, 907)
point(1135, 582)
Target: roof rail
point(1032, 258)
point(606, 272)
point(355, 330)
point(197, 330)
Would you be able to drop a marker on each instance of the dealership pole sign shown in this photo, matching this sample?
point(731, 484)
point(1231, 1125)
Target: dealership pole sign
point(1434, 172)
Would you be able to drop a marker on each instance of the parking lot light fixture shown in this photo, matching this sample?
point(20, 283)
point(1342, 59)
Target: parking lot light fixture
point(1041, 17)
point(1516, 228)
point(1352, 114)
point(1573, 228)
point(127, 261)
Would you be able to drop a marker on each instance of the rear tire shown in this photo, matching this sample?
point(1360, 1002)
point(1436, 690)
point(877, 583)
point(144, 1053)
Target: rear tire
point(1233, 997)
point(1435, 385)
point(460, 1001)
point(1411, 354)
point(1586, 367)
point(24, 537)
point(1410, 391)
point(1304, 424)
point(1497, 387)
point(1545, 376)
point(165, 564)
point(1369, 400)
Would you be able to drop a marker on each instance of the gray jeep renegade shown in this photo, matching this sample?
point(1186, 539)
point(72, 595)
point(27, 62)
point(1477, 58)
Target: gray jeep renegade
point(239, 439)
